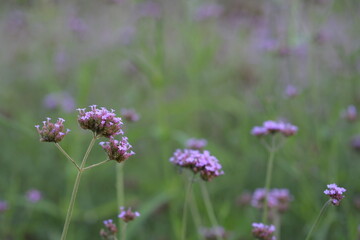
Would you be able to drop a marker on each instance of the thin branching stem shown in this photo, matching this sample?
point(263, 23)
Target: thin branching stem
point(184, 215)
point(120, 193)
point(96, 164)
point(67, 155)
point(75, 190)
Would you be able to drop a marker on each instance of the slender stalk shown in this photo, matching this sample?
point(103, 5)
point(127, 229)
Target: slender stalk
point(67, 155)
point(277, 222)
point(120, 196)
point(75, 190)
point(123, 232)
point(318, 218)
point(268, 179)
point(195, 214)
point(209, 207)
point(184, 215)
point(96, 164)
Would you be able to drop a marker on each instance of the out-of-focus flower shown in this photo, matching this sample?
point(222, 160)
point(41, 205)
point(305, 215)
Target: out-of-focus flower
point(127, 35)
point(291, 91)
point(61, 100)
point(3, 206)
point(78, 26)
point(101, 121)
point(117, 150)
point(272, 127)
point(110, 230)
point(149, 9)
point(128, 215)
point(33, 195)
point(277, 199)
point(350, 114)
point(196, 144)
point(355, 143)
point(335, 193)
point(130, 115)
point(244, 199)
point(16, 22)
point(207, 11)
point(52, 132)
point(199, 162)
point(263, 232)
point(213, 233)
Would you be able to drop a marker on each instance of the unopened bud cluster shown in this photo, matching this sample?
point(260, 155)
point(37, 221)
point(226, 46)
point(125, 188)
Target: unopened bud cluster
point(203, 163)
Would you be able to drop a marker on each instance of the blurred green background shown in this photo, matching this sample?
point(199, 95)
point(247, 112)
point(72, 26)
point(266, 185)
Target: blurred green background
point(192, 68)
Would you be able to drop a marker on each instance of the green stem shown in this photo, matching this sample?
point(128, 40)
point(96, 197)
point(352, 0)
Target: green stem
point(67, 155)
point(196, 214)
point(317, 219)
point(277, 222)
point(123, 232)
point(75, 190)
point(209, 208)
point(96, 164)
point(268, 179)
point(120, 196)
point(184, 215)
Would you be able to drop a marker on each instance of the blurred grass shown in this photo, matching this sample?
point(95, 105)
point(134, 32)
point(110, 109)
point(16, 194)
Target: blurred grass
point(209, 79)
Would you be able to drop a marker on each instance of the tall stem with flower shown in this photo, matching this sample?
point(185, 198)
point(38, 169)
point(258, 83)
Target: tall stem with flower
point(102, 123)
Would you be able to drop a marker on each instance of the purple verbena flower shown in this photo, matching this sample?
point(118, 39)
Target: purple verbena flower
point(213, 233)
point(101, 121)
point(196, 144)
point(52, 132)
point(272, 127)
point(335, 193)
point(277, 199)
point(3, 206)
point(350, 114)
point(128, 215)
point(263, 232)
point(199, 162)
point(291, 91)
point(63, 100)
point(130, 115)
point(110, 230)
point(117, 150)
point(207, 11)
point(33, 195)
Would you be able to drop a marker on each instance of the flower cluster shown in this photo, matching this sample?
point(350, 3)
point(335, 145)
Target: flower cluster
point(263, 232)
point(117, 150)
point(3, 206)
point(196, 144)
point(110, 231)
point(128, 215)
point(213, 233)
point(199, 162)
point(130, 115)
point(278, 199)
point(52, 132)
point(335, 193)
point(272, 127)
point(33, 195)
point(350, 114)
point(101, 121)
point(291, 91)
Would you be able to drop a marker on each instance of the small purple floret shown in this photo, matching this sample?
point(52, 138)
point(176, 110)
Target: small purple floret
point(128, 215)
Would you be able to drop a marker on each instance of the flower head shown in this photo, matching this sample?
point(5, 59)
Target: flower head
point(52, 132)
point(130, 115)
point(199, 162)
point(3, 206)
point(110, 230)
point(196, 144)
point(350, 114)
point(291, 91)
point(335, 193)
point(117, 150)
point(213, 233)
point(263, 232)
point(128, 215)
point(101, 121)
point(277, 199)
point(272, 127)
point(33, 195)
